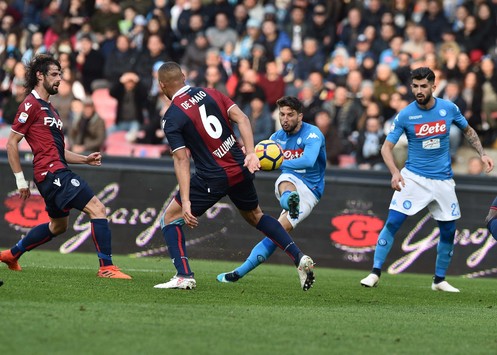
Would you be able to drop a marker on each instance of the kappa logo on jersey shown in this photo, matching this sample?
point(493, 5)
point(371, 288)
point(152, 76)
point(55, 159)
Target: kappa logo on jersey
point(293, 154)
point(51, 121)
point(27, 105)
point(430, 128)
point(312, 135)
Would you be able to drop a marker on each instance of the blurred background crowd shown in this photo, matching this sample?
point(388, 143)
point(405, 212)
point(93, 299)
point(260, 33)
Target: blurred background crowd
point(348, 61)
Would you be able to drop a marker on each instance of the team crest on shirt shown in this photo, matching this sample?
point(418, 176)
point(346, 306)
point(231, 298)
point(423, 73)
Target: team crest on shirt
point(442, 113)
point(75, 182)
point(23, 117)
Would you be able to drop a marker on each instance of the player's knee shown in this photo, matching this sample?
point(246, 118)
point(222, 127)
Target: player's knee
point(492, 214)
point(394, 221)
point(58, 228)
point(447, 231)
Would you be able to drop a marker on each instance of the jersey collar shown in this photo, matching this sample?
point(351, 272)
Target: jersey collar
point(180, 91)
point(36, 95)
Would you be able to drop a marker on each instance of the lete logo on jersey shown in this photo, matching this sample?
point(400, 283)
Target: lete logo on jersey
point(430, 129)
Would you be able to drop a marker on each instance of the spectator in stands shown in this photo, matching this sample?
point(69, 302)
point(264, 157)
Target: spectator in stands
point(213, 58)
point(260, 119)
point(258, 58)
point(373, 12)
point(322, 28)
point(311, 59)
point(472, 94)
point(213, 79)
point(385, 84)
point(196, 8)
point(369, 142)
point(63, 102)
point(273, 40)
point(475, 166)
point(107, 14)
point(136, 34)
point(131, 96)
point(272, 84)
point(195, 55)
point(89, 62)
point(286, 63)
point(470, 38)
point(390, 56)
point(148, 57)
point(236, 77)
point(322, 120)
point(296, 28)
point(416, 39)
point(221, 33)
point(434, 21)
point(488, 81)
point(240, 20)
point(36, 47)
point(10, 105)
point(457, 68)
point(352, 28)
point(486, 24)
point(197, 25)
point(87, 133)
point(121, 59)
point(337, 67)
point(244, 44)
point(311, 103)
point(247, 89)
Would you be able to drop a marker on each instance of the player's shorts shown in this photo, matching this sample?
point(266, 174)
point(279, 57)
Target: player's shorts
point(62, 191)
point(420, 192)
point(307, 199)
point(206, 193)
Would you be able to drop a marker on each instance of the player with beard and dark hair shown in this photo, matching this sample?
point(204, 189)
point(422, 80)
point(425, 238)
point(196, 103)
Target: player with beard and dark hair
point(426, 180)
point(39, 123)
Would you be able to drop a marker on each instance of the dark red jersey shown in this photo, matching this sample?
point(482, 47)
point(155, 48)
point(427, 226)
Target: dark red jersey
point(40, 124)
point(198, 120)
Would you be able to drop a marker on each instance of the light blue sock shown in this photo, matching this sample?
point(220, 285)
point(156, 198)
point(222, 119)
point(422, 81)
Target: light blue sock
point(284, 200)
point(260, 253)
point(445, 247)
point(386, 237)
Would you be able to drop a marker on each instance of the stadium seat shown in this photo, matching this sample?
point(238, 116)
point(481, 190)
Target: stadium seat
point(116, 144)
point(105, 106)
point(149, 150)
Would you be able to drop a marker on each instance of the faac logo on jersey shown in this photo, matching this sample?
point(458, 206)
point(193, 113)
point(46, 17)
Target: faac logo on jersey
point(430, 129)
point(50, 121)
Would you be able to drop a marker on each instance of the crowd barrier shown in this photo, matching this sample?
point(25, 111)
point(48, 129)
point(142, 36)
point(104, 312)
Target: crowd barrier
point(341, 232)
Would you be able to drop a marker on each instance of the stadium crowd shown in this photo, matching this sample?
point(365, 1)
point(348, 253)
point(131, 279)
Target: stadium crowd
point(347, 61)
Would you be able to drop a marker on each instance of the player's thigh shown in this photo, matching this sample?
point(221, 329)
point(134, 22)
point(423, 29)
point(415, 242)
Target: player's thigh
point(414, 196)
point(244, 197)
point(285, 182)
point(445, 206)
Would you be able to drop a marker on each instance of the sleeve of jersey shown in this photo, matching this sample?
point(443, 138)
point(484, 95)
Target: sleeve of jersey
point(459, 119)
point(396, 130)
point(312, 145)
point(223, 99)
point(173, 134)
point(23, 120)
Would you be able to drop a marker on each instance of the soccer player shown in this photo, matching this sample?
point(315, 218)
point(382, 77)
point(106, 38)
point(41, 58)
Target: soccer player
point(39, 123)
point(426, 180)
point(301, 183)
point(200, 121)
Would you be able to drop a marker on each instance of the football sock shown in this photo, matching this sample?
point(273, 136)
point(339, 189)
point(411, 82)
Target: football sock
point(275, 231)
point(36, 236)
point(386, 237)
point(259, 254)
point(284, 200)
point(492, 227)
point(101, 235)
point(175, 241)
point(445, 248)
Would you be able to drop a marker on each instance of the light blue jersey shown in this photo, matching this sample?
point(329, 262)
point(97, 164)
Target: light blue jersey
point(305, 156)
point(427, 132)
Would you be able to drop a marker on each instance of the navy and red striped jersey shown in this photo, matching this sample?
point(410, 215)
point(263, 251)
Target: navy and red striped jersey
point(198, 120)
point(40, 124)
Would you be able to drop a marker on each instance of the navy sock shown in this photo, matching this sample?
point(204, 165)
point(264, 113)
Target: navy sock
point(275, 231)
point(36, 236)
point(492, 227)
point(175, 241)
point(101, 235)
point(260, 253)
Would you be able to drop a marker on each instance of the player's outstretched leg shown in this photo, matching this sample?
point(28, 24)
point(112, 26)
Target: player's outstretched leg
point(259, 254)
point(383, 246)
point(36, 236)
point(275, 231)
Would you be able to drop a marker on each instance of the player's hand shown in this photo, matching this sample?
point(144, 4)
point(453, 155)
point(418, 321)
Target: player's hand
point(489, 163)
point(94, 159)
point(190, 220)
point(24, 193)
point(397, 182)
point(252, 163)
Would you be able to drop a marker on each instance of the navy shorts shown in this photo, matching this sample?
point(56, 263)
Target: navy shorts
point(62, 191)
point(206, 193)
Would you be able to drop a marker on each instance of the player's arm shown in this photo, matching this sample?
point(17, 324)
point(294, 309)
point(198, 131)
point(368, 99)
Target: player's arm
point(308, 157)
point(387, 154)
point(236, 115)
point(182, 170)
point(473, 139)
point(94, 158)
point(15, 164)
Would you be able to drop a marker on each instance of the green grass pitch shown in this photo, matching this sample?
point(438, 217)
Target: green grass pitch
point(57, 305)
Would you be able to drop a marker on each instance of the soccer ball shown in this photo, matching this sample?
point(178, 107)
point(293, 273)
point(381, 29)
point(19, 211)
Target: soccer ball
point(270, 154)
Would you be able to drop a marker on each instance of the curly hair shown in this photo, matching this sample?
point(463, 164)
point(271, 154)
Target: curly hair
point(40, 63)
